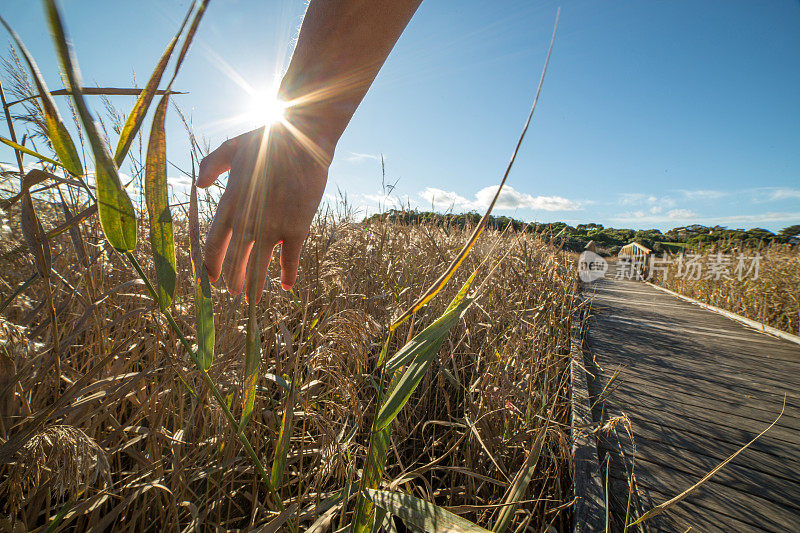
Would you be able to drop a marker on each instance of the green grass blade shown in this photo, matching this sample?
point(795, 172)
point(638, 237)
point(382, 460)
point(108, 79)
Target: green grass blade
point(252, 363)
point(284, 438)
point(462, 255)
point(287, 421)
point(117, 216)
point(423, 348)
point(137, 114)
point(516, 492)
point(30, 152)
point(439, 328)
point(188, 40)
point(373, 471)
point(56, 130)
point(424, 515)
point(162, 239)
point(419, 351)
point(203, 304)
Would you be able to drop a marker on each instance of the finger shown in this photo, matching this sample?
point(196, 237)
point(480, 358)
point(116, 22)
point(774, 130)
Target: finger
point(219, 236)
point(235, 264)
point(220, 160)
point(258, 269)
point(290, 261)
point(216, 163)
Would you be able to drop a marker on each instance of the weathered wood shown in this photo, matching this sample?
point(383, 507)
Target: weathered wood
point(747, 508)
point(750, 408)
point(589, 508)
point(696, 386)
point(708, 417)
point(758, 326)
point(739, 474)
point(692, 444)
point(697, 516)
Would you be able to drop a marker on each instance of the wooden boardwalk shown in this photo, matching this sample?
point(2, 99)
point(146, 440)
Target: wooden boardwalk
point(696, 386)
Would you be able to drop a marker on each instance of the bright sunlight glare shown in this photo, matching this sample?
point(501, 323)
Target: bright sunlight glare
point(267, 108)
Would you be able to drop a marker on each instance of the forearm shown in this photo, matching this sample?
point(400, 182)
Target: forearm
point(341, 47)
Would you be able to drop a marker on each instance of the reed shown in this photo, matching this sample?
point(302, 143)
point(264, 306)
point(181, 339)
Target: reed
point(446, 410)
point(771, 296)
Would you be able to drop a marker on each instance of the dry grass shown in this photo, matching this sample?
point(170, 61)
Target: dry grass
point(773, 298)
point(174, 462)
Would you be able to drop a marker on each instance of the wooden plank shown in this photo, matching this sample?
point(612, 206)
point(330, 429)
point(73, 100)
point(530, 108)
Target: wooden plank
point(675, 345)
point(661, 314)
point(739, 474)
point(719, 499)
point(757, 409)
point(682, 516)
point(648, 308)
point(711, 418)
point(696, 387)
point(656, 364)
point(674, 429)
point(672, 348)
point(758, 326)
point(693, 444)
point(589, 511)
point(705, 389)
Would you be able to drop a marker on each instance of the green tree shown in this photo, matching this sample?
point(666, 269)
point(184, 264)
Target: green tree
point(790, 231)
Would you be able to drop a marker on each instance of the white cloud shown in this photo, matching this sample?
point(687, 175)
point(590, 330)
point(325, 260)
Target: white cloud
point(687, 215)
point(632, 198)
point(387, 200)
point(441, 199)
point(784, 194)
point(703, 194)
point(681, 214)
point(356, 157)
point(637, 198)
point(509, 198)
point(183, 182)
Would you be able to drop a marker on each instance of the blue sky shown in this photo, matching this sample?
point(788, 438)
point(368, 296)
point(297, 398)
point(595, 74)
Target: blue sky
point(653, 114)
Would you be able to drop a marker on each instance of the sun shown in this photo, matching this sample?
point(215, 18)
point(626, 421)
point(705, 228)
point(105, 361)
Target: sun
point(266, 108)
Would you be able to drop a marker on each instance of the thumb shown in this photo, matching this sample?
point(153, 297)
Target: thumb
point(216, 163)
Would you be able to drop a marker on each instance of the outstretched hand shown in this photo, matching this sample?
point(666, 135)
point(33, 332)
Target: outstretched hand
point(273, 191)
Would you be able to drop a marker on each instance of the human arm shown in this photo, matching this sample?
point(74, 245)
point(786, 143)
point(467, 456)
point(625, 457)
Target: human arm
point(278, 175)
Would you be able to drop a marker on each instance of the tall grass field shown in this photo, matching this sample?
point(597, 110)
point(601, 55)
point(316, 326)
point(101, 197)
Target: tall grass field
point(770, 296)
point(417, 376)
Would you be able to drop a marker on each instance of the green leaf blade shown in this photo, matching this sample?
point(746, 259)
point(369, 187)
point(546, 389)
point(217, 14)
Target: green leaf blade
point(28, 151)
point(117, 216)
point(440, 326)
point(373, 471)
point(422, 514)
point(203, 304)
point(162, 238)
point(137, 114)
point(516, 492)
point(252, 363)
point(419, 355)
point(57, 132)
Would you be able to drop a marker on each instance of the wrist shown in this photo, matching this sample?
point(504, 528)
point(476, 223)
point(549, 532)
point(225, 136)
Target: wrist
point(316, 110)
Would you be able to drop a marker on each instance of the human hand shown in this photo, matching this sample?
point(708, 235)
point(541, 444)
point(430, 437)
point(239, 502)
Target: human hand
point(274, 188)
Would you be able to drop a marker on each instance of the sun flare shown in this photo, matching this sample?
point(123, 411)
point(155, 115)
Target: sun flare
point(267, 108)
